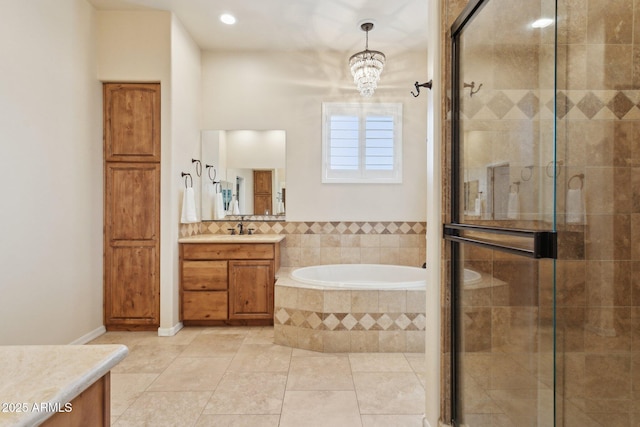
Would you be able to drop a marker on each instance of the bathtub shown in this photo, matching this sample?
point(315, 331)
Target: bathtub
point(361, 276)
point(351, 308)
point(369, 276)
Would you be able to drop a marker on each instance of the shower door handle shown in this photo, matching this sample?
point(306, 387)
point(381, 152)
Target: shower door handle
point(534, 243)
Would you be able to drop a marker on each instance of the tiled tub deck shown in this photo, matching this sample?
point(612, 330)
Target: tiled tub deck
point(334, 321)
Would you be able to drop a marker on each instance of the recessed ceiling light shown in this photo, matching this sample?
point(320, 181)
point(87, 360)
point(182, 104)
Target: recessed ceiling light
point(228, 18)
point(542, 23)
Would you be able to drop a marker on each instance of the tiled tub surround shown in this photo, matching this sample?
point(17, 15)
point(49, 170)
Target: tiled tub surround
point(334, 321)
point(340, 242)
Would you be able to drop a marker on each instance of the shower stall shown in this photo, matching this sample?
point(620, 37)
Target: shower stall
point(543, 150)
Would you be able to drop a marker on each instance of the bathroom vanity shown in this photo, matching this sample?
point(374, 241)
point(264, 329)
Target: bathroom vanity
point(228, 279)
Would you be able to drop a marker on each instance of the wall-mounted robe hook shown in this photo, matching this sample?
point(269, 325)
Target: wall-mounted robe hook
point(418, 86)
point(187, 179)
point(198, 166)
point(471, 86)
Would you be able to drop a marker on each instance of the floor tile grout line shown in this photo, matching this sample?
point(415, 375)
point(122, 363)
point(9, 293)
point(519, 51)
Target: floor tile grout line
point(204, 407)
point(355, 389)
point(284, 391)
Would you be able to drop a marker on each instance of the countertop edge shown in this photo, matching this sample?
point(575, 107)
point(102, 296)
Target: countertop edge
point(74, 388)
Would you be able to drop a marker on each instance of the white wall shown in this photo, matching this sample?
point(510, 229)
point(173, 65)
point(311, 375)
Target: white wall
point(51, 173)
point(285, 90)
point(185, 137)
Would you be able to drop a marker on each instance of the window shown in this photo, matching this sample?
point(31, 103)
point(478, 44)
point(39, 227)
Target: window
point(361, 143)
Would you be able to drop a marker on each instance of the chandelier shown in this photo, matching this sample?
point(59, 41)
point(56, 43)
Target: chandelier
point(366, 66)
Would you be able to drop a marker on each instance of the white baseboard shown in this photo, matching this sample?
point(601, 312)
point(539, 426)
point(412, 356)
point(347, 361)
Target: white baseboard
point(169, 332)
point(90, 336)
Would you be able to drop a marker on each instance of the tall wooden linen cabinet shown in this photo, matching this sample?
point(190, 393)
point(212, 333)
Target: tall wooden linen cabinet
point(131, 113)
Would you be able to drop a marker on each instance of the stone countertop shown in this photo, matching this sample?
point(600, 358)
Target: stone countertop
point(49, 376)
point(233, 238)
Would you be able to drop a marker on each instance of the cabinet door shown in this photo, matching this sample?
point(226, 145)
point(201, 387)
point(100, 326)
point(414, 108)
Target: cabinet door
point(262, 196)
point(132, 299)
point(132, 202)
point(132, 246)
point(204, 305)
point(132, 122)
point(251, 289)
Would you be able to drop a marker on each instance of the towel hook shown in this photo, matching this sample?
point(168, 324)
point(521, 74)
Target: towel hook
point(580, 176)
point(418, 86)
point(198, 166)
point(471, 86)
point(187, 178)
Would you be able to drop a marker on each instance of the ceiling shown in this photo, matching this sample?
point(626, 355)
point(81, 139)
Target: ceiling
point(400, 25)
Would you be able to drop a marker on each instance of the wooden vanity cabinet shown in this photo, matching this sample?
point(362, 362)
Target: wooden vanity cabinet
point(228, 283)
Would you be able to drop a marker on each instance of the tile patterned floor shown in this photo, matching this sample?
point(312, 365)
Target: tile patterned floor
point(236, 376)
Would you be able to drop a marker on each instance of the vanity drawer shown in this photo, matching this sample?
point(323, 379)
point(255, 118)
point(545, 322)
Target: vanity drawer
point(204, 305)
point(204, 275)
point(228, 251)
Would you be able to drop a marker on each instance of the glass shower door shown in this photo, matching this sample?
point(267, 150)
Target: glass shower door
point(501, 232)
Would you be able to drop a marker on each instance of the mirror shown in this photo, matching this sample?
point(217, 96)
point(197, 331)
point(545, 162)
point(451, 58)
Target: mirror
point(243, 173)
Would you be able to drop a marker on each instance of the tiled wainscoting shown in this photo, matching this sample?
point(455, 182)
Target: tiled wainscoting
point(339, 242)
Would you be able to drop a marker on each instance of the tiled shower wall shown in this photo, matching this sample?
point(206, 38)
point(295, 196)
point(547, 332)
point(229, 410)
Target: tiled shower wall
point(340, 242)
point(598, 280)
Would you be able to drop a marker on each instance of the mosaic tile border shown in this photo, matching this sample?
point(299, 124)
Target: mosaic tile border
point(572, 104)
point(321, 321)
point(308, 227)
